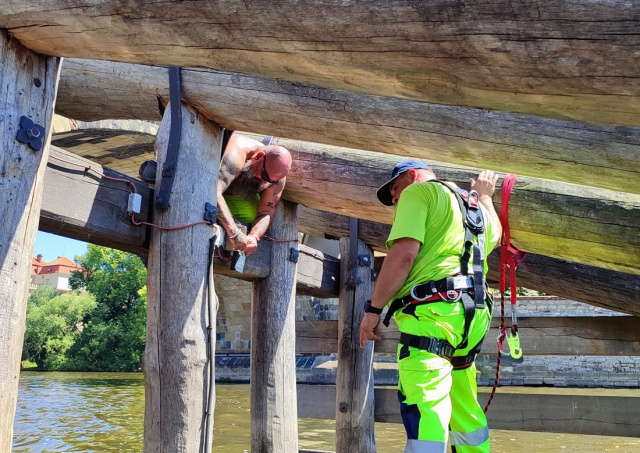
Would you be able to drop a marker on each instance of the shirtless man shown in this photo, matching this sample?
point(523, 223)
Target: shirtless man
point(250, 183)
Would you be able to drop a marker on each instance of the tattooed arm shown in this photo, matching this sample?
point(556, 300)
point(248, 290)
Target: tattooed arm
point(269, 199)
point(230, 168)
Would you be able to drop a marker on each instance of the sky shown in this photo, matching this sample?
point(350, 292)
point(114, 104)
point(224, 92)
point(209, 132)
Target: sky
point(51, 247)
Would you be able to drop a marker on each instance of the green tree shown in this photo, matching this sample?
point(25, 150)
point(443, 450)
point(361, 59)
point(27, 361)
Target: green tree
point(53, 325)
point(113, 338)
point(112, 276)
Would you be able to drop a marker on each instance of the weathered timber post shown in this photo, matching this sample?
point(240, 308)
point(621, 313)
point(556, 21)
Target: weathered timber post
point(28, 84)
point(354, 380)
point(274, 414)
point(175, 360)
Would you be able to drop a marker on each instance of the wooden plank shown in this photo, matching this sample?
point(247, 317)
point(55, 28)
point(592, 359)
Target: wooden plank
point(318, 273)
point(567, 60)
point(28, 84)
point(88, 219)
point(82, 205)
point(603, 412)
point(601, 287)
point(175, 359)
point(274, 417)
point(585, 225)
point(581, 224)
point(579, 153)
point(598, 335)
point(354, 378)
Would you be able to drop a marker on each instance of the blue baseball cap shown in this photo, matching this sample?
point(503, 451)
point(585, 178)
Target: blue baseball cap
point(383, 193)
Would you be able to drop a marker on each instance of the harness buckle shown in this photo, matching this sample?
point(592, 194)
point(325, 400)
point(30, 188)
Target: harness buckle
point(430, 344)
point(416, 297)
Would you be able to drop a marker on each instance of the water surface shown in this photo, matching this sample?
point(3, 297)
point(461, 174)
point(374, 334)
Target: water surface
point(103, 412)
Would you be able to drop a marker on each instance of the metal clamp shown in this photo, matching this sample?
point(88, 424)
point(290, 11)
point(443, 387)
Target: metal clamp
point(30, 133)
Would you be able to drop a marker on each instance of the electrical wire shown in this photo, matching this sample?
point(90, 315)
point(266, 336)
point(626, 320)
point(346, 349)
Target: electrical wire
point(88, 168)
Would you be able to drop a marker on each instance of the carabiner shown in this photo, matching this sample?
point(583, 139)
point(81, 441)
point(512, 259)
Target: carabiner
point(419, 299)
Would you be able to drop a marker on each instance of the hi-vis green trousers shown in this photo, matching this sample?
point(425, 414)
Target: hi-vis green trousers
point(437, 403)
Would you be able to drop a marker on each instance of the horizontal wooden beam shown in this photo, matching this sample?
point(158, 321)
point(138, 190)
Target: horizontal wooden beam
point(581, 224)
point(579, 153)
point(605, 288)
point(569, 60)
point(607, 413)
point(601, 335)
point(70, 211)
point(80, 204)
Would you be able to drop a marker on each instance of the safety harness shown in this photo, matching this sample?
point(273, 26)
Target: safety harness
point(469, 288)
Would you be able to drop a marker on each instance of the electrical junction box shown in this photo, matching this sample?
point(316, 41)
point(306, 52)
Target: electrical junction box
point(135, 203)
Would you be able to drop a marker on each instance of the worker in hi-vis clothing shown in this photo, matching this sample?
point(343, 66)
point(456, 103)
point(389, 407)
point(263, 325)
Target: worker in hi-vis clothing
point(433, 279)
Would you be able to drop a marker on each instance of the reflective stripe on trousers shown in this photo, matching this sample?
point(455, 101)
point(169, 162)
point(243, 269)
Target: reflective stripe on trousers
point(425, 446)
point(472, 439)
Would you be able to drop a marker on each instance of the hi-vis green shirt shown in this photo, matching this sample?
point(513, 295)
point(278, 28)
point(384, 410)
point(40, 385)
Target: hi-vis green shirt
point(429, 212)
point(243, 209)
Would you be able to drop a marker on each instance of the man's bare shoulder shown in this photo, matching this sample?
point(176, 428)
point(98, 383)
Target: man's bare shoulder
point(241, 143)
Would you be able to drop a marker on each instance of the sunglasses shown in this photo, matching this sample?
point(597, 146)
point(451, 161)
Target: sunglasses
point(264, 175)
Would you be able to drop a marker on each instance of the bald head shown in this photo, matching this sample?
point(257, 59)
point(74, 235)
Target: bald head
point(277, 161)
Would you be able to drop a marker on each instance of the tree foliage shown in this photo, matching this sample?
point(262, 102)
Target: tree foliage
point(53, 326)
point(107, 334)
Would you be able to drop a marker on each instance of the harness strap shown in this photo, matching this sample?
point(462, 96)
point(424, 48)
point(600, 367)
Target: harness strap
point(441, 348)
point(431, 292)
point(473, 223)
point(433, 345)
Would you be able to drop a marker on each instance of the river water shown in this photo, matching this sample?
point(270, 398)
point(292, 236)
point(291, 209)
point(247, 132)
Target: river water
point(103, 412)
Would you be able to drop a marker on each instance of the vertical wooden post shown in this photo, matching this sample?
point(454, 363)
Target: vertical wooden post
point(28, 84)
point(354, 380)
point(274, 413)
point(176, 350)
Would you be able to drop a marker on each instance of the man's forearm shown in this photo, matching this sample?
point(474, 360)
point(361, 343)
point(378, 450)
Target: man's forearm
point(261, 225)
point(225, 219)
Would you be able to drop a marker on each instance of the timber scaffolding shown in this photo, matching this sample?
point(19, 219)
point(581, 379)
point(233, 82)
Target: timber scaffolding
point(551, 94)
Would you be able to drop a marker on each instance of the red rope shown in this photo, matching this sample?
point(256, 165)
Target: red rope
point(510, 257)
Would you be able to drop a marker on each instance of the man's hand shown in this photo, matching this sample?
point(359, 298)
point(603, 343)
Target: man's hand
point(251, 244)
point(245, 243)
point(485, 185)
point(368, 328)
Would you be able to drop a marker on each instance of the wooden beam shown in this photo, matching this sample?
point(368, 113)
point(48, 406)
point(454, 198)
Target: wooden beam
point(354, 377)
point(568, 60)
point(599, 335)
point(581, 224)
point(607, 413)
point(601, 287)
point(274, 417)
point(575, 223)
point(579, 153)
point(176, 353)
point(82, 205)
point(29, 82)
point(102, 220)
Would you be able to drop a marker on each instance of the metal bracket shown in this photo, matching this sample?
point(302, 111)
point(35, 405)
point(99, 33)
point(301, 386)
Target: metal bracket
point(293, 256)
point(352, 277)
point(210, 212)
point(175, 132)
point(30, 133)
